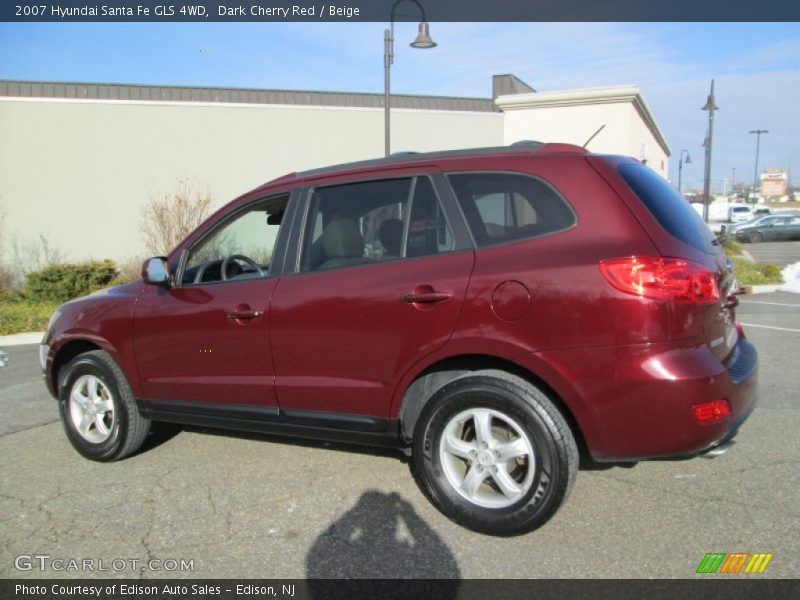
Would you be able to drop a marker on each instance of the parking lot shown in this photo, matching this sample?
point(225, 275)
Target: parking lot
point(779, 253)
point(257, 506)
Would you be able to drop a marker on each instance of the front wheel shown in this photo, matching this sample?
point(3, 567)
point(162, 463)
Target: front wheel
point(97, 408)
point(755, 237)
point(494, 454)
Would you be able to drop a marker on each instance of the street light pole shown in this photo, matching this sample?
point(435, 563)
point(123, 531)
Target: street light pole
point(422, 41)
point(758, 133)
point(681, 162)
point(710, 107)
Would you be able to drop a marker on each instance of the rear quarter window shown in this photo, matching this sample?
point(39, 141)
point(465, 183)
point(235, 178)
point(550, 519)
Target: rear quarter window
point(670, 209)
point(507, 207)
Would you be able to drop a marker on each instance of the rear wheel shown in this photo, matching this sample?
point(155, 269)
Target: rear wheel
point(494, 454)
point(755, 237)
point(97, 408)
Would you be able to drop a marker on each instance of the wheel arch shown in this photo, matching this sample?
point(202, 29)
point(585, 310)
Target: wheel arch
point(65, 353)
point(440, 373)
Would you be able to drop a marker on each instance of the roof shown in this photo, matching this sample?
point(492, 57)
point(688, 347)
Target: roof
point(162, 93)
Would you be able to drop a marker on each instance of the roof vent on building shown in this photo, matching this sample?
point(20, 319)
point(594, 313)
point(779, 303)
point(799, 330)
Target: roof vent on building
point(503, 85)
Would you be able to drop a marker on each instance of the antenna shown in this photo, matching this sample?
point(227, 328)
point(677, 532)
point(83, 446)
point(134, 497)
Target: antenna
point(594, 135)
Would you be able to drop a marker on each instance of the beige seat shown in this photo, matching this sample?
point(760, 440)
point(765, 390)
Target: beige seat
point(343, 244)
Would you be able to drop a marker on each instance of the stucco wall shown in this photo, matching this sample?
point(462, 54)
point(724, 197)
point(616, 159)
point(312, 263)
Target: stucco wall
point(626, 131)
point(78, 172)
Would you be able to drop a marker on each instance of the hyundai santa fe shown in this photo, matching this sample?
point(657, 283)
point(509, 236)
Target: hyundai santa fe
point(487, 311)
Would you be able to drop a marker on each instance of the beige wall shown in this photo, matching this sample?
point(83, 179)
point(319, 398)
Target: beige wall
point(572, 117)
point(78, 172)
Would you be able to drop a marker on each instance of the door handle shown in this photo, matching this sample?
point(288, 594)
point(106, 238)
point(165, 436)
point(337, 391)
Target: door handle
point(244, 314)
point(426, 297)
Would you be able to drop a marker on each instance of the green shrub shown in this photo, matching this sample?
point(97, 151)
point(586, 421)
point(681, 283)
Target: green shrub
point(772, 272)
point(732, 247)
point(20, 317)
point(59, 283)
point(750, 273)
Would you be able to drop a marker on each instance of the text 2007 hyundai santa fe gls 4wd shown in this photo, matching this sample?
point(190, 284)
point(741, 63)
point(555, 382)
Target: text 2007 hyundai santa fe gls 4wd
point(486, 310)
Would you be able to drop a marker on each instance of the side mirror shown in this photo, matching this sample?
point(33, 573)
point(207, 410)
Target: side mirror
point(156, 271)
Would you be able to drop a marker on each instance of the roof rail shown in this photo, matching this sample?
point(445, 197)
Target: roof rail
point(401, 157)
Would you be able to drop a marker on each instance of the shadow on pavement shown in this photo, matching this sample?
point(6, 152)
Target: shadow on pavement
point(381, 537)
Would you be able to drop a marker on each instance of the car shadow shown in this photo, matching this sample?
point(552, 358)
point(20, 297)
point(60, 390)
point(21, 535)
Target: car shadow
point(160, 433)
point(381, 538)
point(290, 440)
point(163, 432)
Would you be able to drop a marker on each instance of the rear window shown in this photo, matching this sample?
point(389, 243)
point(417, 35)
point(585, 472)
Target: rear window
point(669, 208)
point(506, 207)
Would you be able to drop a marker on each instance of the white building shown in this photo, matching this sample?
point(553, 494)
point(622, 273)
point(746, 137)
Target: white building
point(78, 161)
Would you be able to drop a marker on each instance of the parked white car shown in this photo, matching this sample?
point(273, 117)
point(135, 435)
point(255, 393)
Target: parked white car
point(739, 214)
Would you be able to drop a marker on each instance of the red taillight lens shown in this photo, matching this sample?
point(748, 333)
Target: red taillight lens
point(709, 412)
point(658, 278)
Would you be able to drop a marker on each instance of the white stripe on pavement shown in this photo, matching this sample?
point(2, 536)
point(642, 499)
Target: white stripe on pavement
point(771, 327)
point(770, 303)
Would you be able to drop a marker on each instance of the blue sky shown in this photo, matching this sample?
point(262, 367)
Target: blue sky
point(756, 67)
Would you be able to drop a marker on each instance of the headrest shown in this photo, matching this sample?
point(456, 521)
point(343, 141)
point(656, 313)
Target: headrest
point(342, 239)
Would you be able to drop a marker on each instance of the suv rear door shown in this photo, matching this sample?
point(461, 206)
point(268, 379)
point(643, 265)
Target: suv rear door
point(381, 271)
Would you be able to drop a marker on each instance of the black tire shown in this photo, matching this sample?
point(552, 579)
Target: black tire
point(127, 428)
point(755, 237)
point(555, 453)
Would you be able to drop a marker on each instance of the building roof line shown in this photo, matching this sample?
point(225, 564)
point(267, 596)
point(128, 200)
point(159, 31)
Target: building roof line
point(584, 96)
point(227, 95)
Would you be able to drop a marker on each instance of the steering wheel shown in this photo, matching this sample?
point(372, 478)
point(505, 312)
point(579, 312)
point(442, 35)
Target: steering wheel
point(201, 270)
point(241, 258)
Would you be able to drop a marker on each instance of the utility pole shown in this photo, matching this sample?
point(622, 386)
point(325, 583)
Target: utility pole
point(758, 133)
point(710, 107)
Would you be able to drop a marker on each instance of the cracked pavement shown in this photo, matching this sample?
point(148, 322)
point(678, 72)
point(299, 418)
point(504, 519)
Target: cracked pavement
point(243, 505)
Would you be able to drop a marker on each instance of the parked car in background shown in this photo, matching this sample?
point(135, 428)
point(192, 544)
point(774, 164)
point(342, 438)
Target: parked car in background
point(487, 311)
point(739, 214)
point(3, 359)
point(779, 228)
point(755, 221)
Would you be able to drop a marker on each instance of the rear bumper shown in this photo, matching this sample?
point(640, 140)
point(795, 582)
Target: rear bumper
point(635, 402)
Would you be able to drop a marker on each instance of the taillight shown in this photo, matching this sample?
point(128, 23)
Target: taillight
point(710, 412)
point(659, 278)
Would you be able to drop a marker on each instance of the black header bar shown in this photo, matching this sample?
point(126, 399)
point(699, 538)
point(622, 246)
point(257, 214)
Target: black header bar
point(378, 10)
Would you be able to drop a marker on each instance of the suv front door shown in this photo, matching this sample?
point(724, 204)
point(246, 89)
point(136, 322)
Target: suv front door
point(205, 339)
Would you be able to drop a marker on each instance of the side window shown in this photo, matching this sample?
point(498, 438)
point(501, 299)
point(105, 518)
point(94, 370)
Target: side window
point(503, 207)
point(428, 232)
point(239, 248)
point(373, 221)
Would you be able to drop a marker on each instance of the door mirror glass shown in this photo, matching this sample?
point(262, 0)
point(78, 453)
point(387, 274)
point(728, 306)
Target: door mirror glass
point(155, 271)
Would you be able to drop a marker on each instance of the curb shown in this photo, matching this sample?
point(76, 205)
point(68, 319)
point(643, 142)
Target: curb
point(20, 339)
point(762, 289)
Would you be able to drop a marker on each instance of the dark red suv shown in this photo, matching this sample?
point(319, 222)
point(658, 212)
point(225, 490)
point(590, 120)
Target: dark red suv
point(489, 311)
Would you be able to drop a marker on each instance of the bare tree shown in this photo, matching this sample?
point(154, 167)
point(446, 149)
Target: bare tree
point(169, 219)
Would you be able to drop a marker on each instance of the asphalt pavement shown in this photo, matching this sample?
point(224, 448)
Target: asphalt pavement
point(240, 505)
point(779, 253)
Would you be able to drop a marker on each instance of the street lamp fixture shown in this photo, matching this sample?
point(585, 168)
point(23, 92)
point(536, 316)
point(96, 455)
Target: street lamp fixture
point(710, 106)
point(758, 133)
point(422, 41)
point(681, 162)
